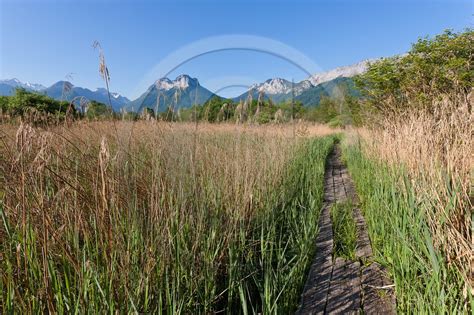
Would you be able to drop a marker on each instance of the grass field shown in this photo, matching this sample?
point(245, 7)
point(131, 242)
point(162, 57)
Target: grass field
point(157, 217)
point(177, 218)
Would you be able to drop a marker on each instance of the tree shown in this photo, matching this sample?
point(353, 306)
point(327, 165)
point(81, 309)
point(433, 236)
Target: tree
point(433, 68)
point(96, 110)
point(24, 101)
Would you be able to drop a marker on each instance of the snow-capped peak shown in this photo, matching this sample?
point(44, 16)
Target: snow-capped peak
point(164, 84)
point(103, 91)
point(15, 83)
point(273, 86)
point(12, 81)
point(182, 82)
point(281, 86)
point(35, 86)
point(345, 71)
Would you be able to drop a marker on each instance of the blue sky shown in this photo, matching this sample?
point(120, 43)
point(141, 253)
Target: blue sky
point(44, 41)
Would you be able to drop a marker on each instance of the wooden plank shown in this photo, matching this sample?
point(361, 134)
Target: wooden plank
point(351, 193)
point(313, 299)
point(345, 291)
point(329, 196)
point(378, 294)
point(340, 286)
point(363, 248)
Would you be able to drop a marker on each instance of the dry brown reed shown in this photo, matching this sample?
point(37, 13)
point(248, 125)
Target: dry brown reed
point(436, 148)
point(136, 191)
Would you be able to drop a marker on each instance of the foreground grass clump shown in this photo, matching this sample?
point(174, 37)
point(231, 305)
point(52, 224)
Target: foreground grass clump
point(400, 230)
point(344, 228)
point(159, 218)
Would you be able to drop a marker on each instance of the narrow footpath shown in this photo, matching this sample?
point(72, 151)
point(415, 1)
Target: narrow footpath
point(336, 285)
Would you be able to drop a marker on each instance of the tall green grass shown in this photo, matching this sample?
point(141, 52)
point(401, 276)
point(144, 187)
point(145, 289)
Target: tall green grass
point(344, 228)
point(177, 223)
point(287, 230)
point(401, 238)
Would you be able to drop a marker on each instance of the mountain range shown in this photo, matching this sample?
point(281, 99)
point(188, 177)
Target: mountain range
point(65, 90)
point(306, 91)
point(7, 87)
point(185, 91)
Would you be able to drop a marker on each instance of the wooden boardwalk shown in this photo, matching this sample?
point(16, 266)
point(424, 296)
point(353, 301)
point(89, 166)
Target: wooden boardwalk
point(335, 285)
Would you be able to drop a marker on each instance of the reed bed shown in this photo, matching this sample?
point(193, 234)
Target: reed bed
point(414, 174)
point(157, 217)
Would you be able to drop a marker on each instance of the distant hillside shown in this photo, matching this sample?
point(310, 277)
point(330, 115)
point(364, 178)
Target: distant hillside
point(333, 88)
point(65, 90)
point(340, 72)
